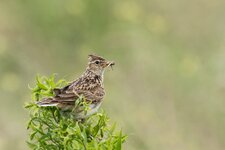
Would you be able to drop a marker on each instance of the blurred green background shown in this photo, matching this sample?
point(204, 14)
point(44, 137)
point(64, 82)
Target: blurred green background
point(167, 90)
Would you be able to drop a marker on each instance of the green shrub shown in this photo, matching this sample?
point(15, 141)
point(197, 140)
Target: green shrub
point(50, 130)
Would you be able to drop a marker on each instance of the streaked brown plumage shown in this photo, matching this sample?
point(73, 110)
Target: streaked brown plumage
point(89, 85)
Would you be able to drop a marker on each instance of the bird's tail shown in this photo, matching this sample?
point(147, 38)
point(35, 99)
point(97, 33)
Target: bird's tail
point(47, 102)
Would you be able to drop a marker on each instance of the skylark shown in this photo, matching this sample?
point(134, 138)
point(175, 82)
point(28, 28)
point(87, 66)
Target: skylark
point(89, 85)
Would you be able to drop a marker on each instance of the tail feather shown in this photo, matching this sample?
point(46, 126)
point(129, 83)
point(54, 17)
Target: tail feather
point(47, 102)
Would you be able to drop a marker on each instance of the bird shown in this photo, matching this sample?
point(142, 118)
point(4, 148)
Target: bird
point(89, 86)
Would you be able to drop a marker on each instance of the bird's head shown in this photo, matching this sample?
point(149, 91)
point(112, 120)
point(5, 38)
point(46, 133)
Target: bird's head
point(98, 64)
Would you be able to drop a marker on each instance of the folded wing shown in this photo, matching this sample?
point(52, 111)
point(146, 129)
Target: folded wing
point(65, 98)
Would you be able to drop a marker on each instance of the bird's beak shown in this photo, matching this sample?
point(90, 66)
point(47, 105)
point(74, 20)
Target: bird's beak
point(110, 63)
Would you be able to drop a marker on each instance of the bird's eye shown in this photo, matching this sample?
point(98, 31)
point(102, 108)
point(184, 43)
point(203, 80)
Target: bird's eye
point(97, 62)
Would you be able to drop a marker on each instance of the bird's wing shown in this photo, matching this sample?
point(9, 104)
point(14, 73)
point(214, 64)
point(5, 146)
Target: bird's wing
point(92, 91)
point(69, 96)
point(94, 95)
point(68, 90)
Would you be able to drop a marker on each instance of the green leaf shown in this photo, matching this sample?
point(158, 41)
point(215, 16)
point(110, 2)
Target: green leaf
point(29, 105)
point(84, 136)
point(32, 135)
point(31, 145)
point(39, 84)
point(112, 128)
point(119, 142)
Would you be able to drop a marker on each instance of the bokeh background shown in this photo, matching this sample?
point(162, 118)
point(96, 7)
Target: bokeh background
point(167, 90)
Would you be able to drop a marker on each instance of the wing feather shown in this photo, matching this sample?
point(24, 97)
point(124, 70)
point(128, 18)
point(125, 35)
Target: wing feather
point(70, 93)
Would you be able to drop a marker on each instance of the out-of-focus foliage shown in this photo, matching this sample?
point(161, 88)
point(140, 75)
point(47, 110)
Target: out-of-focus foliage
point(167, 88)
point(49, 129)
